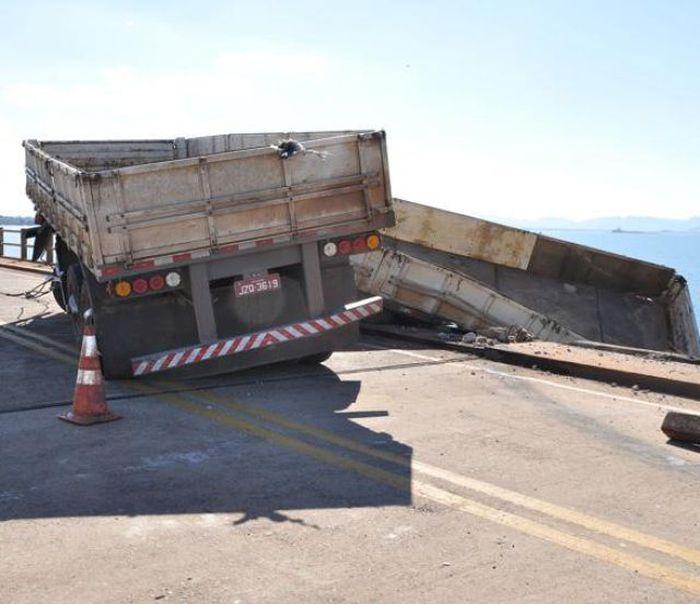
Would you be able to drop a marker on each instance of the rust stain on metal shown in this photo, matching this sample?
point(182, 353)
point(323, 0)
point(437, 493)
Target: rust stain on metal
point(462, 235)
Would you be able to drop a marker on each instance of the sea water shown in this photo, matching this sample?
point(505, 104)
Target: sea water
point(13, 251)
point(679, 250)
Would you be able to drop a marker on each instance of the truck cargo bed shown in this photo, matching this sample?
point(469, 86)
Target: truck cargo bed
point(124, 206)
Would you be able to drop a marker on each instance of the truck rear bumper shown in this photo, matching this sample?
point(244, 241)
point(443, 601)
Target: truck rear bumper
point(274, 336)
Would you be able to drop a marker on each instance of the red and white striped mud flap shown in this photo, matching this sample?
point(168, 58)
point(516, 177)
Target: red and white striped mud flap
point(170, 359)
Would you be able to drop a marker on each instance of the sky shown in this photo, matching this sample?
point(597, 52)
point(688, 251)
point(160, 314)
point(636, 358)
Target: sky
point(504, 109)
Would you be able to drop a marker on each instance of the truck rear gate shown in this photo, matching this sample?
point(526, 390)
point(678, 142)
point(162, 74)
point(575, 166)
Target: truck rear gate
point(186, 243)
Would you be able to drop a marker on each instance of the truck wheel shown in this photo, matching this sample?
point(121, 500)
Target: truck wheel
point(316, 359)
point(78, 297)
point(59, 290)
point(64, 259)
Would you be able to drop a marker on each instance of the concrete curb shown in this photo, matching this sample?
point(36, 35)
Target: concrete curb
point(22, 265)
point(652, 383)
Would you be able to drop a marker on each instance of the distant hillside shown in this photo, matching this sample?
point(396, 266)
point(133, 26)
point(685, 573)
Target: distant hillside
point(16, 219)
point(625, 223)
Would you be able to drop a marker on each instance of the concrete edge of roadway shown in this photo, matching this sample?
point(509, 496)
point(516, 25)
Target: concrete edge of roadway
point(609, 374)
point(25, 265)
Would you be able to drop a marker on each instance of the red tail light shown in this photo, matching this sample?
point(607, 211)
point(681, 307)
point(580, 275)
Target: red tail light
point(359, 245)
point(156, 282)
point(344, 247)
point(147, 284)
point(140, 286)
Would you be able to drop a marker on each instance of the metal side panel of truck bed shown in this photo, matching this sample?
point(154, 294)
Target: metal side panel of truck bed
point(125, 206)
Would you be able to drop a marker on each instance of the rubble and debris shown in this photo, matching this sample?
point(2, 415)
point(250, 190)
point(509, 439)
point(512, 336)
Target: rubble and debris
point(614, 368)
point(469, 337)
point(682, 427)
point(513, 333)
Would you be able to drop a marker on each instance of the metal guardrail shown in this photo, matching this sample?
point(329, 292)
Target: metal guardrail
point(24, 246)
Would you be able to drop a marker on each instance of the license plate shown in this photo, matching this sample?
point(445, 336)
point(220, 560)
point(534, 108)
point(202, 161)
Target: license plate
point(257, 285)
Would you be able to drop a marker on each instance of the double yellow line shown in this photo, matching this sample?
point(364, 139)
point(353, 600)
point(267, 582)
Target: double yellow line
point(38, 343)
point(212, 410)
point(267, 425)
point(531, 503)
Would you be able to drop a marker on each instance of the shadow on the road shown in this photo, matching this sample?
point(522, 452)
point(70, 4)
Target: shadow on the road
point(683, 445)
point(163, 458)
point(30, 378)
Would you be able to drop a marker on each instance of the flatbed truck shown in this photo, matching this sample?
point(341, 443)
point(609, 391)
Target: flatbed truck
point(214, 253)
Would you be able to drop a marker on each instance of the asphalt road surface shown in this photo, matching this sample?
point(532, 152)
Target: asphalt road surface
point(392, 473)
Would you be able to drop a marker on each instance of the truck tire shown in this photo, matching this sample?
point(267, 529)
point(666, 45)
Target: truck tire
point(78, 290)
point(59, 290)
point(64, 259)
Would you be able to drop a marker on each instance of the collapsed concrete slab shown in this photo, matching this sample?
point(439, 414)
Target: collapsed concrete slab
point(431, 290)
point(588, 293)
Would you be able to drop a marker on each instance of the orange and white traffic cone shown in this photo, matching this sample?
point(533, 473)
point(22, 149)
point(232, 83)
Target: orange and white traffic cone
point(89, 403)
